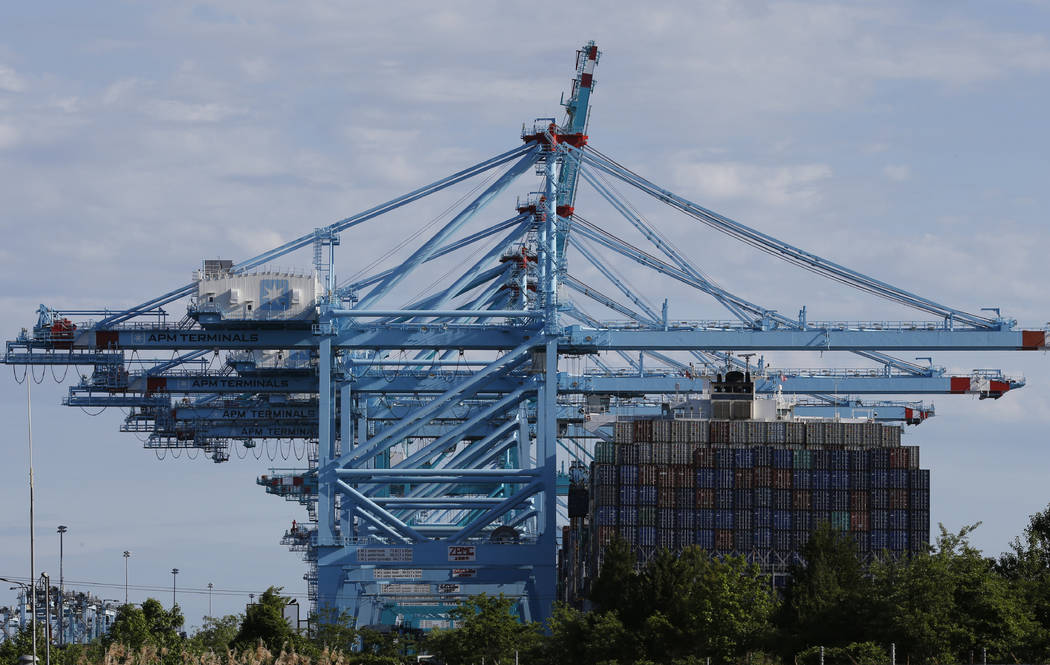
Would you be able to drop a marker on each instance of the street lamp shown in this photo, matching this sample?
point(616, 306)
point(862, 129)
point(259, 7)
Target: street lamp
point(210, 587)
point(127, 555)
point(174, 572)
point(61, 585)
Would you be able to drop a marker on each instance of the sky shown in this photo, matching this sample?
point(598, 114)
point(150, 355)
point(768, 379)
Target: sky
point(905, 140)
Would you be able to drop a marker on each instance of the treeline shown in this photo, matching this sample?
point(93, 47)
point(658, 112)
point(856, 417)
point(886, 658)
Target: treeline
point(951, 604)
point(151, 635)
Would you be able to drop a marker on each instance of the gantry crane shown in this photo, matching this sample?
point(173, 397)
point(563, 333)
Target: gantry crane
point(434, 435)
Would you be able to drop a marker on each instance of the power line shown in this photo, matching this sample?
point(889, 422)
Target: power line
point(164, 589)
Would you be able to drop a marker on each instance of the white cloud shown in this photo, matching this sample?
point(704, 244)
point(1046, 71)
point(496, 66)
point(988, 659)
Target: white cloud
point(10, 81)
point(796, 184)
point(8, 136)
point(174, 110)
point(897, 172)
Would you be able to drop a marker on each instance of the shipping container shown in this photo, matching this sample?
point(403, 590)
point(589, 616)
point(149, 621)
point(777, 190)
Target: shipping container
point(762, 497)
point(743, 541)
point(705, 498)
point(724, 540)
point(801, 500)
point(743, 499)
point(628, 495)
point(704, 518)
point(762, 518)
point(782, 499)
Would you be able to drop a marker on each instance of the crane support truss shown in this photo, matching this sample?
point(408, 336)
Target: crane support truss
point(437, 429)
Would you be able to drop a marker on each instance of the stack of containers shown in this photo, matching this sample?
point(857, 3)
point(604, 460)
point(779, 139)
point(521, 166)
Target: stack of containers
point(753, 487)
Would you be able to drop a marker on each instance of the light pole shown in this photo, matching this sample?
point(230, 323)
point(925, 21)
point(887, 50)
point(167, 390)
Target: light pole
point(61, 585)
point(174, 572)
point(127, 555)
point(210, 587)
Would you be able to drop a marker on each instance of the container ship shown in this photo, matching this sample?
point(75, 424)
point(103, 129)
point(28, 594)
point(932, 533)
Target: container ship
point(736, 475)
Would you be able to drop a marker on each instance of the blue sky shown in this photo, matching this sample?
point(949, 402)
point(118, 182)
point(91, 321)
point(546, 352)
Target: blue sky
point(906, 140)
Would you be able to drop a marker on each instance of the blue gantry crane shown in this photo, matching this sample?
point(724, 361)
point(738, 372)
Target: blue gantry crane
point(432, 438)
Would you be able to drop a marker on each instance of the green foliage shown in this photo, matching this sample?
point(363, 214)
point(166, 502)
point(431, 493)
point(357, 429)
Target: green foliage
point(264, 622)
point(22, 643)
point(585, 638)
point(216, 635)
point(677, 607)
point(1026, 568)
point(854, 653)
point(333, 631)
point(150, 624)
point(828, 597)
point(486, 627)
point(941, 606)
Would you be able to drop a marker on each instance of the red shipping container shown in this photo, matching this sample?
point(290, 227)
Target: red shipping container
point(723, 539)
point(801, 499)
point(898, 499)
point(858, 501)
point(665, 497)
point(647, 474)
point(705, 498)
point(858, 521)
point(664, 477)
point(704, 457)
point(782, 479)
point(743, 479)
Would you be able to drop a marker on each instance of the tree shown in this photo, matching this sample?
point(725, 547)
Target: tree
point(826, 600)
point(681, 605)
point(486, 627)
point(944, 605)
point(151, 624)
point(334, 631)
point(216, 635)
point(585, 638)
point(1027, 569)
point(264, 621)
point(13, 648)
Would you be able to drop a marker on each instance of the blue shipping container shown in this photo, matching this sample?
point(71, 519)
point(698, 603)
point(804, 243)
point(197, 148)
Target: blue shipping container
point(725, 478)
point(781, 459)
point(742, 499)
point(705, 518)
point(723, 519)
point(782, 520)
point(647, 495)
point(899, 541)
point(705, 538)
point(744, 458)
point(705, 478)
point(820, 479)
point(762, 497)
point(647, 536)
point(800, 479)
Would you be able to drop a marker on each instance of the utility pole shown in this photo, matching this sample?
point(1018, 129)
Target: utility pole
point(32, 539)
point(46, 579)
point(210, 587)
point(174, 572)
point(127, 555)
point(61, 585)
